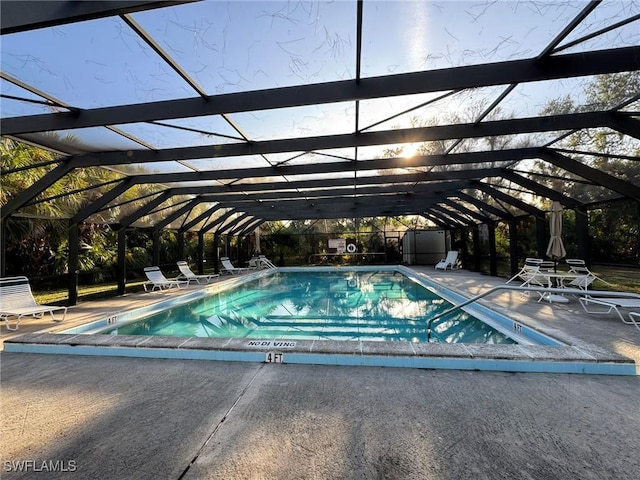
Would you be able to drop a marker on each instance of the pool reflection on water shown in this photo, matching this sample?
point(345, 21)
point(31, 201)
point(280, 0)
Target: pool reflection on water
point(330, 305)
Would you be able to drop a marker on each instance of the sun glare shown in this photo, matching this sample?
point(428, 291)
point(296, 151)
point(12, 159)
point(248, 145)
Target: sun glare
point(410, 149)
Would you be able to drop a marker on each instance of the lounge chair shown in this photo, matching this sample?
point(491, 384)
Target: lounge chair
point(451, 261)
point(588, 277)
point(254, 264)
point(614, 304)
point(228, 267)
point(532, 274)
point(158, 280)
point(16, 300)
point(529, 274)
point(260, 263)
point(265, 262)
point(187, 273)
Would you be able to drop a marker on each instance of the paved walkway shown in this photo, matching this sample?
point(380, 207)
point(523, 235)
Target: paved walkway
point(132, 418)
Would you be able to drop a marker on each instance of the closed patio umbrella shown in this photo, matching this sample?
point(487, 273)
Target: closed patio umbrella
point(556, 249)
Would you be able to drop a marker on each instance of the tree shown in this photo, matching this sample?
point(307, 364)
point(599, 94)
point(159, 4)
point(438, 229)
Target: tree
point(613, 227)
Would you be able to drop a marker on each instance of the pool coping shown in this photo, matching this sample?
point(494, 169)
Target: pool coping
point(574, 357)
point(585, 359)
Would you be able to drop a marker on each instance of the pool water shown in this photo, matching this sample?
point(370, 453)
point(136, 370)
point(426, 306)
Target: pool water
point(330, 305)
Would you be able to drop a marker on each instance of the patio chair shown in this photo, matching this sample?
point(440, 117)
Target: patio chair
point(228, 267)
point(187, 273)
point(614, 304)
point(254, 263)
point(529, 274)
point(578, 266)
point(157, 280)
point(451, 261)
point(265, 262)
point(16, 300)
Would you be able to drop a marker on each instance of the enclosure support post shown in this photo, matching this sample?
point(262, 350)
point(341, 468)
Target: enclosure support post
point(73, 263)
point(542, 237)
point(181, 245)
point(242, 241)
point(3, 247)
point(384, 234)
point(493, 260)
point(476, 248)
point(463, 247)
point(216, 253)
point(155, 239)
point(582, 235)
point(200, 253)
point(122, 247)
point(513, 247)
point(638, 230)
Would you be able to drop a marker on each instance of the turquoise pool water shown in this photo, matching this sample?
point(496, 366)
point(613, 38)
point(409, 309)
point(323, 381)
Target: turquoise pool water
point(380, 305)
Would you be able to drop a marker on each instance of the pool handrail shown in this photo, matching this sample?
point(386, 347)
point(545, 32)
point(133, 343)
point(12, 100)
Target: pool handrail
point(570, 291)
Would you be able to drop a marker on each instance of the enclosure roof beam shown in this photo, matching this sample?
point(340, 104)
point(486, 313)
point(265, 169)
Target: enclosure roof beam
point(344, 209)
point(439, 221)
point(101, 202)
point(484, 206)
point(241, 224)
point(568, 29)
point(383, 180)
point(194, 221)
point(541, 190)
point(495, 193)
point(599, 177)
point(36, 189)
point(335, 167)
point(293, 204)
point(389, 191)
point(481, 217)
point(251, 226)
point(145, 209)
point(208, 226)
point(626, 125)
point(243, 198)
point(184, 210)
point(22, 16)
point(569, 121)
point(456, 218)
point(472, 76)
point(225, 222)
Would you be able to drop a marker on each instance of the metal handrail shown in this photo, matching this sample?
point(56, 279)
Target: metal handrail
point(571, 291)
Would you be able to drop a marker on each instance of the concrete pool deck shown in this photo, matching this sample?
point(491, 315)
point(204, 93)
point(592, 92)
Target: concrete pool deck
point(135, 418)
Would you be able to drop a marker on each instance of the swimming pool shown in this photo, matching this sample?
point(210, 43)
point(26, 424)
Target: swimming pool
point(374, 305)
point(324, 303)
point(524, 349)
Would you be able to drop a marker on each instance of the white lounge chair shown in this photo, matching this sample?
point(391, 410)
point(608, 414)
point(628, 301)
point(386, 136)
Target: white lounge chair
point(260, 263)
point(187, 273)
point(588, 277)
point(529, 274)
point(254, 263)
point(265, 262)
point(614, 304)
point(451, 261)
point(16, 300)
point(158, 280)
point(228, 267)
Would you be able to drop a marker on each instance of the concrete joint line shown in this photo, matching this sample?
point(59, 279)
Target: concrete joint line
point(222, 420)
